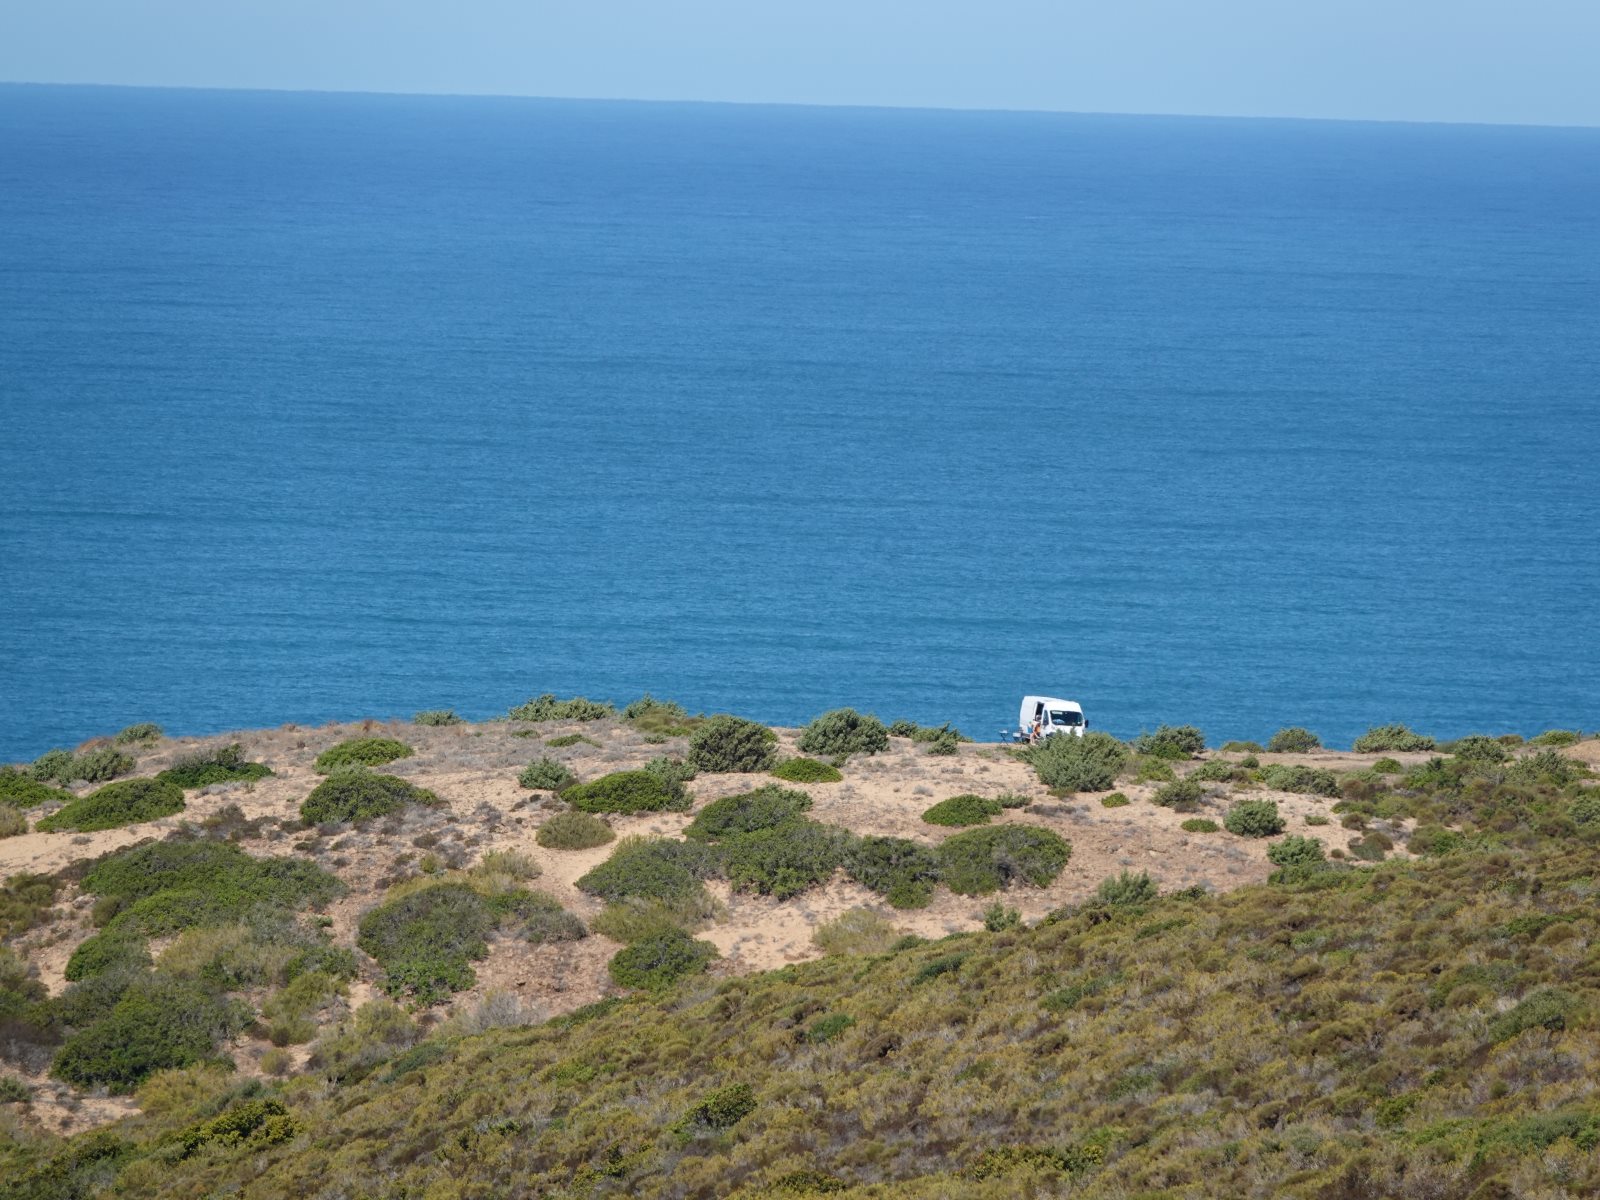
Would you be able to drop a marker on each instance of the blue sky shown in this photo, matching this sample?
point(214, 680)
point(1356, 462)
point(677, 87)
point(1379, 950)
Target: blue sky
point(1532, 61)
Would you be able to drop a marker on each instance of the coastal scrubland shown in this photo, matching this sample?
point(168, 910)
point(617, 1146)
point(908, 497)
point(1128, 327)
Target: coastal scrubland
point(591, 951)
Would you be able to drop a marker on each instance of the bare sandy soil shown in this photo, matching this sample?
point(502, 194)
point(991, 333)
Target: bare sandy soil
point(473, 768)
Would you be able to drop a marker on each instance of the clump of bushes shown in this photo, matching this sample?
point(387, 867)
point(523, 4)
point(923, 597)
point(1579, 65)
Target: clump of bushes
point(1478, 748)
point(673, 772)
point(660, 718)
point(1309, 781)
point(21, 790)
point(1243, 748)
point(725, 743)
point(157, 1023)
point(856, 931)
point(225, 764)
point(1090, 763)
point(546, 774)
point(903, 872)
point(659, 869)
point(660, 960)
point(844, 731)
point(1218, 770)
point(627, 792)
point(1181, 795)
point(1296, 851)
point(1199, 825)
point(355, 794)
point(963, 810)
point(436, 717)
point(94, 766)
point(1294, 740)
point(123, 803)
point(574, 831)
point(548, 708)
point(572, 739)
point(786, 860)
point(361, 752)
point(1126, 890)
point(1556, 737)
point(806, 770)
point(1174, 742)
point(1114, 800)
point(1549, 768)
point(985, 860)
point(141, 734)
point(1388, 766)
point(1254, 818)
point(767, 807)
point(12, 822)
point(1392, 738)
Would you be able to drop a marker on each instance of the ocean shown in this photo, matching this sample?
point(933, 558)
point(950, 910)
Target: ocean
point(329, 406)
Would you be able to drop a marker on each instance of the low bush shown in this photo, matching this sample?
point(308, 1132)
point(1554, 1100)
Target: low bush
point(1218, 770)
point(1175, 742)
point(94, 766)
point(12, 822)
point(765, 808)
point(722, 1108)
point(903, 872)
point(1585, 810)
point(806, 770)
point(1254, 818)
point(1390, 738)
point(355, 794)
point(1309, 781)
point(250, 1126)
point(658, 961)
point(572, 739)
point(827, 1027)
point(574, 831)
point(157, 1023)
point(141, 734)
point(1126, 890)
point(1556, 737)
point(542, 920)
point(673, 772)
point(725, 744)
point(1388, 766)
point(1243, 748)
point(652, 869)
point(546, 774)
point(856, 931)
point(1548, 1008)
point(661, 718)
point(627, 792)
point(114, 950)
point(225, 764)
point(1181, 795)
point(963, 810)
point(1294, 740)
point(1477, 748)
point(1549, 768)
point(547, 708)
point(786, 860)
point(371, 1036)
point(436, 717)
point(985, 860)
point(290, 1013)
point(124, 803)
point(844, 731)
point(426, 940)
point(1199, 825)
point(25, 902)
point(633, 920)
point(1114, 800)
point(361, 752)
point(997, 918)
point(1090, 763)
point(1296, 851)
point(21, 790)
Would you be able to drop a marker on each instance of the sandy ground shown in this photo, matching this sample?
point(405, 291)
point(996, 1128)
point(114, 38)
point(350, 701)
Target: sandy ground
point(473, 768)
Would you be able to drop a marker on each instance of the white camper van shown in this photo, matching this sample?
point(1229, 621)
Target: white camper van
point(1052, 716)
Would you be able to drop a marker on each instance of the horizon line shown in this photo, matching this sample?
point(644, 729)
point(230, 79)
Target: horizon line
point(932, 108)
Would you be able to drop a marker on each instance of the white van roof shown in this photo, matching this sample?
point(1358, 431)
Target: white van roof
point(1051, 702)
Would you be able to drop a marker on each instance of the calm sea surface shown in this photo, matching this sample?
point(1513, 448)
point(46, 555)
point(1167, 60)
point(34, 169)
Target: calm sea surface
point(330, 406)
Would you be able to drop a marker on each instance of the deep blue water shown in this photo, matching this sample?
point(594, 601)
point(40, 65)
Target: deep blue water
point(325, 406)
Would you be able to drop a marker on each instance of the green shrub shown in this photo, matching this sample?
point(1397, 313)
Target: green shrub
point(547, 708)
point(225, 764)
point(125, 803)
point(12, 822)
point(290, 1012)
point(436, 717)
point(572, 739)
point(856, 931)
point(673, 772)
point(1374, 847)
point(14, 1091)
point(426, 940)
point(1126, 890)
point(252, 1125)
point(1181, 795)
point(652, 869)
point(905, 729)
point(1389, 738)
point(660, 718)
point(115, 950)
point(844, 731)
point(1154, 770)
point(1296, 851)
point(574, 831)
point(1090, 763)
point(361, 752)
point(1217, 770)
point(96, 766)
point(1114, 800)
point(356, 794)
point(987, 859)
point(1254, 818)
point(731, 744)
point(627, 792)
point(721, 1109)
point(997, 918)
point(660, 960)
point(1549, 768)
point(1243, 748)
point(963, 810)
point(1316, 819)
point(1585, 810)
point(542, 920)
point(1309, 781)
point(157, 1023)
point(20, 790)
point(806, 770)
point(546, 774)
point(349, 1051)
point(1556, 737)
point(139, 735)
point(1174, 742)
point(827, 1027)
point(25, 902)
point(1294, 740)
point(935, 968)
point(902, 872)
point(1199, 825)
point(1479, 749)
point(785, 861)
point(1548, 1008)
point(765, 808)
point(1388, 766)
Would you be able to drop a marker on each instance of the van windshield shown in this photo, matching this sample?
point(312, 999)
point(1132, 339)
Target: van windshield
point(1061, 717)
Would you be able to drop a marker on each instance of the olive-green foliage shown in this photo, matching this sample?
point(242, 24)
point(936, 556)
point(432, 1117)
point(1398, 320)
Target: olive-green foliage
point(1254, 818)
point(997, 918)
point(660, 960)
point(21, 790)
point(572, 739)
point(1181, 795)
point(1114, 800)
point(722, 1108)
point(767, 807)
point(93, 766)
point(627, 792)
point(661, 718)
point(1294, 740)
point(1388, 766)
point(156, 1023)
point(139, 735)
point(652, 869)
point(123, 803)
point(856, 931)
point(1585, 810)
point(985, 860)
point(786, 860)
point(1548, 1008)
point(14, 1091)
point(807, 770)
point(1171, 742)
point(1310, 781)
point(825, 1028)
point(672, 772)
point(1218, 770)
point(547, 708)
point(1478, 748)
point(844, 731)
point(1090, 763)
point(965, 809)
point(290, 1012)
point(1549, 767)
point(903, 728)
point(224, 764)
point(1126, 890)
point(114, 950)
point(349, 1052)
point(251, 1125)
point(574, 831)
point(12, 822)
point(726, 743)
point(1243, 748)
point(1556, 737)
point(361, 752)
point(1295, 851)
point(1199, 825)
point(436, 717)
point(426, 940)
point(903, 872)
point(25, 902)
point(356, 794)
point(543, 921)
point(1389, 738)
point(546, 774)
